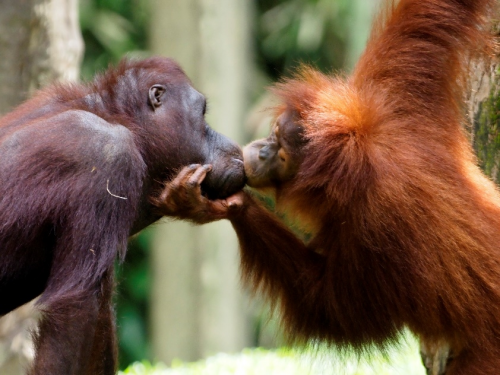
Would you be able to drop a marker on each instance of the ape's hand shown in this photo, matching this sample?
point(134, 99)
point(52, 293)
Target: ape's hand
point(182, 198)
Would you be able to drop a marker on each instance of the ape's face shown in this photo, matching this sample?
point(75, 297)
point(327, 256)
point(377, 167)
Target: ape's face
point(275, 159)
point(178, 110)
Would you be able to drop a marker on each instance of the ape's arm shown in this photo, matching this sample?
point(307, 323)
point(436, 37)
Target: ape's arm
point(273, 259)
point(276, 262)
point(415, 58)
point(73, 182)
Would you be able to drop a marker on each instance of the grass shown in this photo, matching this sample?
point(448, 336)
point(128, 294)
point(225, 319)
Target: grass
point(401, 360)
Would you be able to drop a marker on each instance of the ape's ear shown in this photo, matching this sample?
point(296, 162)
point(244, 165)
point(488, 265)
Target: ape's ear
point(155, 94)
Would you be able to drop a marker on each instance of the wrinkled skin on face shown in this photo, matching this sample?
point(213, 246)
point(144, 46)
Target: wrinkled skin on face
point(180, 110)
point(276, 159)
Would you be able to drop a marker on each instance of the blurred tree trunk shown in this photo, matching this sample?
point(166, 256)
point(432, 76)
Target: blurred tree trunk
point(40, 42)
point(197, 305)
point(484, 113)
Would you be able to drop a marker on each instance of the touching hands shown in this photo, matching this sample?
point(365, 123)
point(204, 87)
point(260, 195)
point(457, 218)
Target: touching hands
point(182, 198)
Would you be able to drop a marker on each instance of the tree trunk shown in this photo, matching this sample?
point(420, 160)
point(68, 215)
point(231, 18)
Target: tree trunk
point(197, 305)
point(40, 42)
point(484, 113)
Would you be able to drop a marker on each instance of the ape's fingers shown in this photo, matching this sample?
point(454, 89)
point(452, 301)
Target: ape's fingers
point(198, 176)
point(235, 201)
point(185, 174)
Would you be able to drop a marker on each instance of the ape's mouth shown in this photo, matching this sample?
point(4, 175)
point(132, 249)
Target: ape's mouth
point(258, 172)
point(220, 184)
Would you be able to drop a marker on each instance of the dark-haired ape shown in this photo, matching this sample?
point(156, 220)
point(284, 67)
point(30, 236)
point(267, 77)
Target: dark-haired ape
point(406, 227)
point(79, 166)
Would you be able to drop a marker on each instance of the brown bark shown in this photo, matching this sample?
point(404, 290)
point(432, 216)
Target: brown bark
point(484, 114)
point(40, 42)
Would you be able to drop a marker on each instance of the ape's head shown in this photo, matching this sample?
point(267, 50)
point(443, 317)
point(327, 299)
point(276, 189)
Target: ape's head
point(173, 130)
point(272, 161)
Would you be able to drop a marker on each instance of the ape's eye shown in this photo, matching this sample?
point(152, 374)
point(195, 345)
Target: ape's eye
point(205, 108)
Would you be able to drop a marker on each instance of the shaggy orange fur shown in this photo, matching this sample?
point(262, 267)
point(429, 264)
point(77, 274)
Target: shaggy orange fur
point(406, 226)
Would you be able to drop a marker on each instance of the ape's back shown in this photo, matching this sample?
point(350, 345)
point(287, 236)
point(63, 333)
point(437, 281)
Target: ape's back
point(408, 225)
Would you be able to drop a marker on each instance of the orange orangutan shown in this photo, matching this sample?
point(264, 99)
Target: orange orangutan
point(406, 228)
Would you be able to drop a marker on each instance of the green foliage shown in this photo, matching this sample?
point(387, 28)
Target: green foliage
point(132, 305)
point(290, 32)
point(402, 360)
point(111, 29)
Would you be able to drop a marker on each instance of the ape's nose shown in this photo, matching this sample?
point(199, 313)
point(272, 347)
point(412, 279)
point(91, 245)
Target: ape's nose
point(264, 153)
